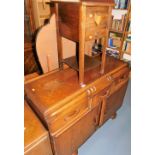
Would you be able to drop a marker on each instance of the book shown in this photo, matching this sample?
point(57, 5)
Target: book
point(121, 4)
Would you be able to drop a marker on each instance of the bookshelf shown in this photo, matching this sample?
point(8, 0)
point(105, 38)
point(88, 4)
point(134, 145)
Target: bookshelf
point(119, 44)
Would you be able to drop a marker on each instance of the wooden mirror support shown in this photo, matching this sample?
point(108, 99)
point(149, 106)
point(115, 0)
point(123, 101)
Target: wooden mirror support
point(83, 21)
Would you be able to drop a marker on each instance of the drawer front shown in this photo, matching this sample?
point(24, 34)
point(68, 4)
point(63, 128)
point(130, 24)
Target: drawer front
point(69, 113)
point(93, 33)
point(70, 140)
point(98, 16)
point(119, 79)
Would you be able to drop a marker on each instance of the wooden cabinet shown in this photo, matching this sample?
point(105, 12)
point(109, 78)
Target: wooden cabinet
point(71, 113)
point(36, 138)
point(69, 123)
point(77, 134)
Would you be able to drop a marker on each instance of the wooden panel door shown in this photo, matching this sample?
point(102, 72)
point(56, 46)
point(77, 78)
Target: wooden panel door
point(67, 142)
point(110, 104)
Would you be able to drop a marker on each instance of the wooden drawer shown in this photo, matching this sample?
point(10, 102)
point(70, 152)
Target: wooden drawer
point(119, 78)
point(93, 33)
point(97, 16)
point(72, 138)
point(67, 115)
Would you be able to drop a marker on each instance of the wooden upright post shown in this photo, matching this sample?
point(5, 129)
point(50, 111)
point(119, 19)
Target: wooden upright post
point(106, 42)
point(82, 17)
point(59, 38)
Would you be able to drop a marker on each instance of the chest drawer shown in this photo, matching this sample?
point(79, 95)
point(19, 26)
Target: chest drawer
point(68, 114)
point(119, 78)
point(92, 33)
point(96, 16)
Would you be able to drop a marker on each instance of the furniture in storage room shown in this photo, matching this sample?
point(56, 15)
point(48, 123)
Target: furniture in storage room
point(74, 113)
point(41, 11)
point(117, 34)
point(36, 138)
point(85, 22)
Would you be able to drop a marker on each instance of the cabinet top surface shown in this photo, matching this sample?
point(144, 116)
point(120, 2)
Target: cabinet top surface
point(46, 91)
point(33, 129)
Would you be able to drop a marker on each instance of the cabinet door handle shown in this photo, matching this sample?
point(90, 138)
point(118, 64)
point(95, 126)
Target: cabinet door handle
point(95, 121)
point(123, 77)
point(71, 115)
point(106, 94)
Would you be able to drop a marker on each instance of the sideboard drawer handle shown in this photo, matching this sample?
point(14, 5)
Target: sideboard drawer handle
point(72, 114)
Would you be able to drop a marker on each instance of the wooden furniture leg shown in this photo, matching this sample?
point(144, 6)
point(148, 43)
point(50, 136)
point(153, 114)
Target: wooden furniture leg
point(114, 116)
point(59, 39)
point(75, 153)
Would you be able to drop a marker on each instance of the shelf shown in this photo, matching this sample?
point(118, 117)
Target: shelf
point(120, 9)
point(116, 31)
point(89, 62)
point(95, 55)
point(128, 32)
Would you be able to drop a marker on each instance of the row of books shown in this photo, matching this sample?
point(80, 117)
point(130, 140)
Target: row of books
point(118, 24)
point(114, 41)
point(121, 4)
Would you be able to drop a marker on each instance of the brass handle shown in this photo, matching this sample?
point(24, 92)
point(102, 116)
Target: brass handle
point(91, 90)
point(90, 15)
point(72, 114)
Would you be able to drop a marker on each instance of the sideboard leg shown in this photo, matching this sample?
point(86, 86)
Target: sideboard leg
point(75, 153)
point(114, 116)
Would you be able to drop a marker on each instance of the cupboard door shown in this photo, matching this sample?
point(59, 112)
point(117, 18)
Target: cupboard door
point(70, 140)
point(111, 103)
